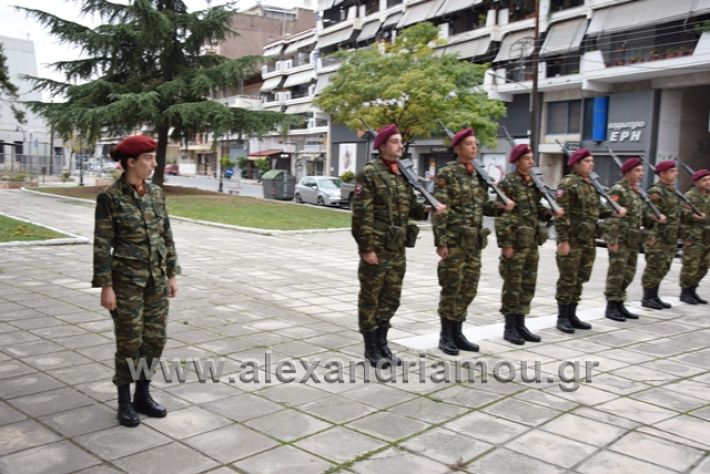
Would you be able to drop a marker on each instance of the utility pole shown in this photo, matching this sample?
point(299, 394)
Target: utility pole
point(533, 94)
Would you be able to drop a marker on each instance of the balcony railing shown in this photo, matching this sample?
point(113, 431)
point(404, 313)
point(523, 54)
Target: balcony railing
point(639, 55)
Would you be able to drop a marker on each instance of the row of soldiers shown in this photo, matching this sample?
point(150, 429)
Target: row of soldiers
point(384, 204)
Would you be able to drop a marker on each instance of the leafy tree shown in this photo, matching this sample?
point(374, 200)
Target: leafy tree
point(146, 65)
point(8, 90)
point(409, 83)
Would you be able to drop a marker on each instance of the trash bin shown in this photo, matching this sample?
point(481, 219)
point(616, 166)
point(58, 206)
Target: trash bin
point(278, 184)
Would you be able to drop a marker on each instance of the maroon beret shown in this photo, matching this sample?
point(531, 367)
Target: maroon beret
point(578, 156)
point(460, 135)
point(700, 174)
point(518, 151)
point(383, 134)
point(630, 164)
point(664, 166)
point(135, 145)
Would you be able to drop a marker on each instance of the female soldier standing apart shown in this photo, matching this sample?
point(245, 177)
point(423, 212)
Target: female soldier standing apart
point(137, 279)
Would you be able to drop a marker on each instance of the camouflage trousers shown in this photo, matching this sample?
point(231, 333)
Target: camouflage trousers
point(519, 275)
point(659, 257)
point(575, 269)
point(458, 277)
point(380, 289)
point(621, 272)
point(696, 258)
point(139, 324)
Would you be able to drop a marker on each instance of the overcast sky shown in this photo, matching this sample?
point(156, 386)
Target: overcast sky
point(16, 24)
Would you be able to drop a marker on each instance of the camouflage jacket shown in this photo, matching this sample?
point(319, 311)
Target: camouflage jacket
point(528, 210)
point(138, 231)
point(582, 209)
point(466, 203)
point(381, 198)
point(617, 229)
point(693, 229)
point(665, 199)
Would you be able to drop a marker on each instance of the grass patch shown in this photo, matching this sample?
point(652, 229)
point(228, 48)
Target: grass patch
point(234, 210)
point(12, 230)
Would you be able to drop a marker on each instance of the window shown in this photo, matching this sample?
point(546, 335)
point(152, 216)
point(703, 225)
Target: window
point(564, 116)
point(391, 3)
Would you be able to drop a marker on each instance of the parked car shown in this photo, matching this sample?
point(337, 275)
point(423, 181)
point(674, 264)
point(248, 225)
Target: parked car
point(321, 190)
point(172, 169)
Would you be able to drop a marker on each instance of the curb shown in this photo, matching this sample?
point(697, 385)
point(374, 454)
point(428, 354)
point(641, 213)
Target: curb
point(71, 240)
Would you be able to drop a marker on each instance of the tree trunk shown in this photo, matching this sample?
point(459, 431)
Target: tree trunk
point(160, 152)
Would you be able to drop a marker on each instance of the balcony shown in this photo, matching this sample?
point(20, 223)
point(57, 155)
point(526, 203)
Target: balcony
point(248, 102)
point(559, 5)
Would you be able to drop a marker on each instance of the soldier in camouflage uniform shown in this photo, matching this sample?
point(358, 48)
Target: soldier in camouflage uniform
point(138, 276)
point(459, 238)
point(661, 241)
point(519, 233)
point(696, 240)
point(383, 203)
point(623, 237)
point(576, 231)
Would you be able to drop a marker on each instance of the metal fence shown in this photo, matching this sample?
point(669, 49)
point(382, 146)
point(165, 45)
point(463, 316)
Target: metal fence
point(31, 164)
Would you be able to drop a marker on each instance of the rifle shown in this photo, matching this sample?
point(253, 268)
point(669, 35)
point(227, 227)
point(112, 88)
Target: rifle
point(680, 195)
point(594, 180)
point(687, 168)
point(406, 168)
point(536, 176)
point(481, 171)
point(642, 192)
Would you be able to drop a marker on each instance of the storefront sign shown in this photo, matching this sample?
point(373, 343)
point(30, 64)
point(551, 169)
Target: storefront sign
point(626, 131)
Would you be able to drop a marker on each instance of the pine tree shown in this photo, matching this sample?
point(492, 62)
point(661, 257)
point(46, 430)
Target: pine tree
point(8, 90)
point(146, 64)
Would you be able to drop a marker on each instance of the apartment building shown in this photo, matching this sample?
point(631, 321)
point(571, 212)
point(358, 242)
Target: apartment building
point(633, 75)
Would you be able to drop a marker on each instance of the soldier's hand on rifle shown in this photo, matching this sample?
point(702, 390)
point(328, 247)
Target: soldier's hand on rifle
point(370, 258)
point(662, 220)
point(108, 298)
point(439, 209)
point(507, 252)
point(509, 207)
point(621, 213)
point(563, 248)
point(700, 217)
point(560, 212)
point(613, 247)
point(443, 252)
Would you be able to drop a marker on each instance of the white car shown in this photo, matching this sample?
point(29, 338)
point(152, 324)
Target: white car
point(320, 190)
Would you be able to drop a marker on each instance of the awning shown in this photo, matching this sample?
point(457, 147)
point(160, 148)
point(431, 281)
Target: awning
point(419, 12)
point(392, 20)
point(324, 4)
point(335, 37)
point(513, 47)
point(273, 50)
point(296, 45)
point(300, 78)
point(260, 155)
point(271, 84)
point(322, 82)
point(300, 108)
point(644, 12)
point(470, 48)
point(564, 36)
point(450, 6)
point(369, 30)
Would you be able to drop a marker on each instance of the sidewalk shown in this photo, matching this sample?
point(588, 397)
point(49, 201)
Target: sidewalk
point(646, 409)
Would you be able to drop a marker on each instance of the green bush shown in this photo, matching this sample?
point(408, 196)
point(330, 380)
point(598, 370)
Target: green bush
point(347, 177)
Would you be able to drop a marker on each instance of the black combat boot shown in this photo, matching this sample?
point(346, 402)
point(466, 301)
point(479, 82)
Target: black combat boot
point(144, 403)
point(563, 323)
point(384, 349)
point(658, 298)
point(612, 311)
point(127, 415)
point(372, 348)
point(650, 299)
point(510, 333)
point(460, 340)
point(574, 320)
point(694, 290)
point(626, 313)
point(446, 338)
point(524, 331)
point(686, 296)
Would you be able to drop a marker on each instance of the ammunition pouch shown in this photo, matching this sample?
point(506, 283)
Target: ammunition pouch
point(468, 237)
point(669, 234)
point(524, 237)
point(395, 237)
point(633, 237)
point(585, 231)
point(411, 237)
point(543, 233)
